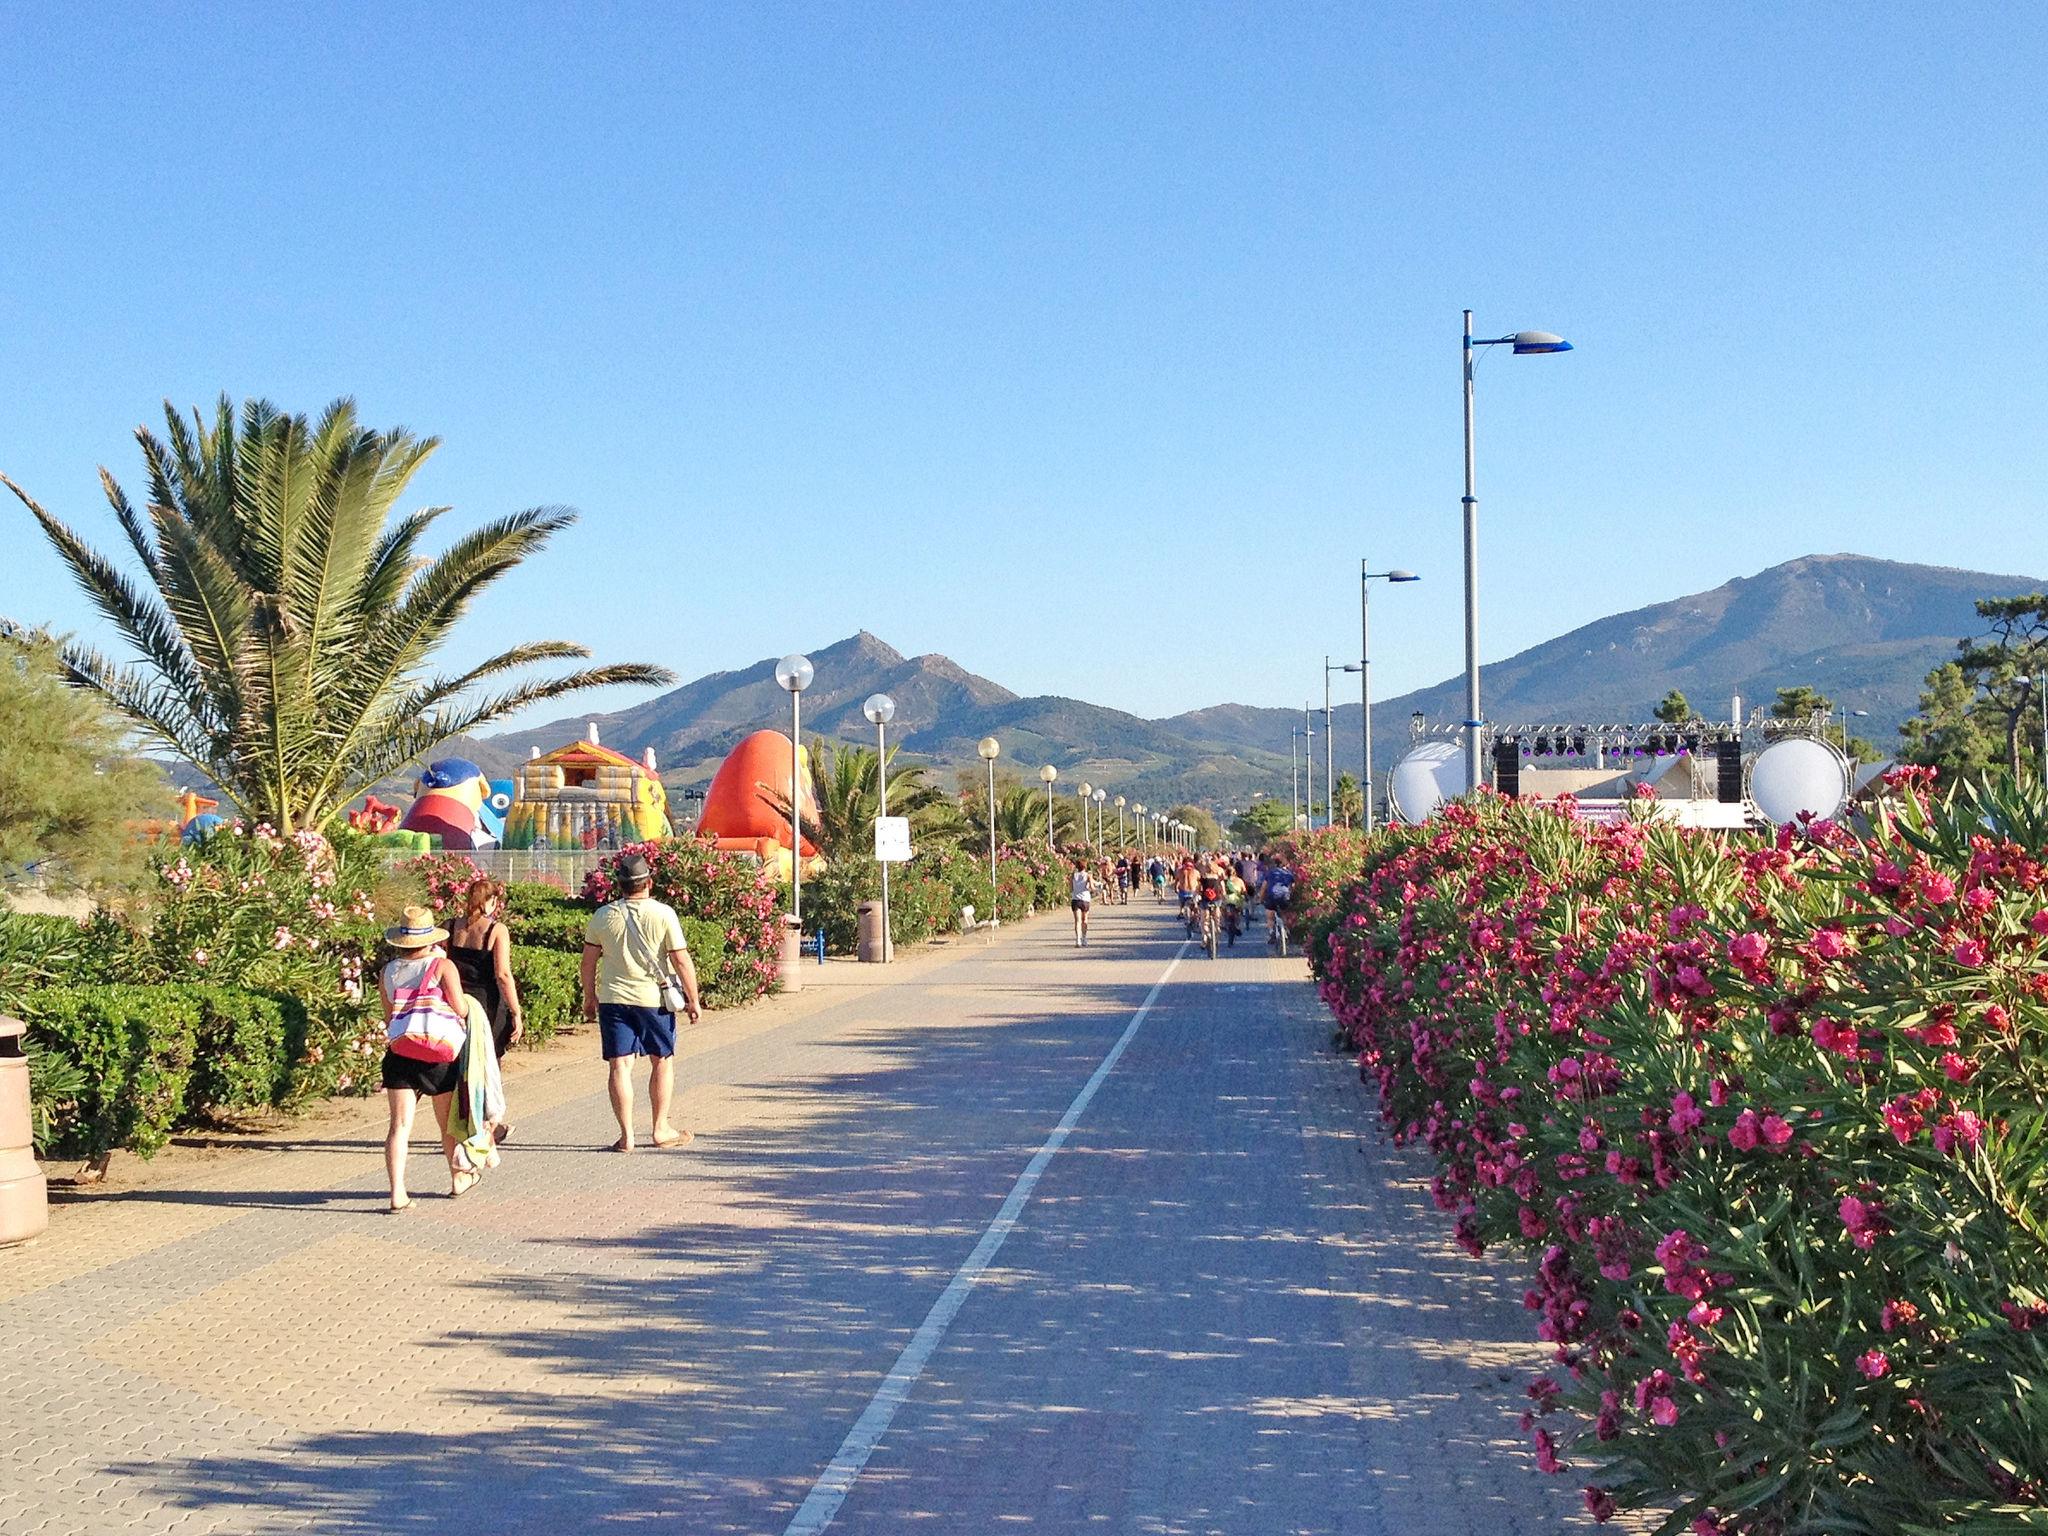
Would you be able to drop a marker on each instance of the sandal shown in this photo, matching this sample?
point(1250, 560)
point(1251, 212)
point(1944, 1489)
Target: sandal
point(462, 1184)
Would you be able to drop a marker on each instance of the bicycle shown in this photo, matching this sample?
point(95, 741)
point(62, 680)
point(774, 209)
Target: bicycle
point(1209, 926)
point(1277, 937)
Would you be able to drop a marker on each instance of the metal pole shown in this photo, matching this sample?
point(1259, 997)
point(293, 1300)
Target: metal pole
point(1294, 780)
point(1329, 753)
point(1471, 504)
point(882, 800)
point(1365, 685)
point(1050, 845)
point(1308, 771)
point(796, 831)
point(991, 850)
point(2042, 686)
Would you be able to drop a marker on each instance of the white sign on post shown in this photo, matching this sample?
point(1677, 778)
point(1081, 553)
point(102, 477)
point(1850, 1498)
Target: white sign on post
point(892, 839)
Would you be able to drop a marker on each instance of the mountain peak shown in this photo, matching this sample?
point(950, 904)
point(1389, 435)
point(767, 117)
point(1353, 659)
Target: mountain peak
point(861, 648)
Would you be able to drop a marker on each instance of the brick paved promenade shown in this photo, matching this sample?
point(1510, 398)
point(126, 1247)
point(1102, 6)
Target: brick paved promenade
point(1224, 1308)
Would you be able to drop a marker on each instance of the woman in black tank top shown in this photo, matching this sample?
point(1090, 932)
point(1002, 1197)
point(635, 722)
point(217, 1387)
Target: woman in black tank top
point(481, 950)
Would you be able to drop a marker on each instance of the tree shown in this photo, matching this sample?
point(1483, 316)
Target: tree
point(71, 791)
point(1207, 833)
point(284, 621)
point(1350, 803)
point(1797, 703)
point(1951, 732)
point(843, 789)
point(1675, 710)
point(2005, 663)
point(1266, 819)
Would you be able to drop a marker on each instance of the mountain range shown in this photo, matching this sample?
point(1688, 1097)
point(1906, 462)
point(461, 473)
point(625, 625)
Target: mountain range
point(1863, 631)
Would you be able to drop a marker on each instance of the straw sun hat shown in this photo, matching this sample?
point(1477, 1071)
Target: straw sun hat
point(416, 931)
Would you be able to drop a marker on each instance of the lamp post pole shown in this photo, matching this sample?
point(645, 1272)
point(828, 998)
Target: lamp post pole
point(881, 709)
point(990, 748)
point(1365, 687)
point(1294, 771)
point(794, 673)
point(1329, 753)
point(1523, 343)
point(1100, 796)
point(1119, 824)
point(1308, 770)
point(1046, 775)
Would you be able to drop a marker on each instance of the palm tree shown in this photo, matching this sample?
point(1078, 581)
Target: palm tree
point(843, 789)
point(1020, 816)
point(284, 621)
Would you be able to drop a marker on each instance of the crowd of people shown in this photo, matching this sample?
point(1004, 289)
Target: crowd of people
point(452, 1009)
point(1212, 887)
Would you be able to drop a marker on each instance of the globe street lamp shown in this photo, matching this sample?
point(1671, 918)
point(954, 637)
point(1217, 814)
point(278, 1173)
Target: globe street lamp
point(794, 673)
point(1119, 824)
point(1366, 577)
point(1084, 791)
point(990, 749)
point(1523, 343)
point(881, 709)
point(1045, 776)
point(1329, 737)
point(1138, 825)
point(1100, 796)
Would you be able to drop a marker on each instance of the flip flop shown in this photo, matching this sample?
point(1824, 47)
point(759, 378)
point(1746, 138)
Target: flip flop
point(399, 1209)
point(458, 1189)
point(680, 1139)
point(621, 1145)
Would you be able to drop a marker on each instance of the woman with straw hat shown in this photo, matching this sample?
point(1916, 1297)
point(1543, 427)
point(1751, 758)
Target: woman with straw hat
point(426, 1023)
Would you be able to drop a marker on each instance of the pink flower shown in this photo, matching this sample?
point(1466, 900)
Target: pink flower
point(199, 957)
point(1961, 1130)
point(1748, 948)
point(1833, 944)
point(1599, 1504)
point(2039, 921)
point(1746, 1132)
point(1776, 1131)
point(1873, 1363)
point(1864, 1220)
point(1685, 1115)
point(1967, 952)
point(1956, 1068)
point(282, 939)
point(1546, 1452)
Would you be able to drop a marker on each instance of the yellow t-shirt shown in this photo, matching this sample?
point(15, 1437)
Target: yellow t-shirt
point(637, 938)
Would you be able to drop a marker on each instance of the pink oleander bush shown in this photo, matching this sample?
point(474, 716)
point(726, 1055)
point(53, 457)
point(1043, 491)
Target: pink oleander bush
point(1768, 1119)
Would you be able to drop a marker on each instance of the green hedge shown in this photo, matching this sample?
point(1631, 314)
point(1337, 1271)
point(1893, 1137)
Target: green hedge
point(548, 986)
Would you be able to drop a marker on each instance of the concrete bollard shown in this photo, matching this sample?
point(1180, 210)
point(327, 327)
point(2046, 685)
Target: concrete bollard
point(872, 945)
point(24, 1196)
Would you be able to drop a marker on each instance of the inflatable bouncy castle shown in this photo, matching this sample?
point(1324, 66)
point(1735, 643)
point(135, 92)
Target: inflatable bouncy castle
point(586, 796)
point(453, 794)
point(740, 808)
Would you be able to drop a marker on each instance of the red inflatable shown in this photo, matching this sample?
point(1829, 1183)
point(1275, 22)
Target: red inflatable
point(740, 806)
point(448, 817)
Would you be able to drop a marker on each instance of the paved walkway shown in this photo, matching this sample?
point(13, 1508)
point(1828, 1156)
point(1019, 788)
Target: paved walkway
point(1224, 1306)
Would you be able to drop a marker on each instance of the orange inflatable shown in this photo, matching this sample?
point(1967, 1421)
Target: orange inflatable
point(740, 807)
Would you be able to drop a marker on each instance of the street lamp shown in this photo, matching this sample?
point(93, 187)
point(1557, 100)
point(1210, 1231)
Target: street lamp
point(1084, 791)
point(1523, 344)
point(1100, 796)
point(1119, 823)
point(1045, 776)
point(1366, 577)
point(794, 673)
point(881, 709)
point(1138, 825)
point(1308, 770)
point(990, 749)
point(1330, 738)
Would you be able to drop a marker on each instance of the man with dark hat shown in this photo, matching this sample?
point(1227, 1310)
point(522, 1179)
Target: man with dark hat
point(636, 975)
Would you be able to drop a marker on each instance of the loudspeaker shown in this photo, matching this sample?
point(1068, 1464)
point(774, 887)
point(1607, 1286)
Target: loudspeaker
point(1507, 767)
point(1728, 772)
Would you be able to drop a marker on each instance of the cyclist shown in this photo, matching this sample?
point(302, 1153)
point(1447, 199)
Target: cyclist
point(1184, 883)
point(1234, 891)
point(1276, 891)
point(1212, 896)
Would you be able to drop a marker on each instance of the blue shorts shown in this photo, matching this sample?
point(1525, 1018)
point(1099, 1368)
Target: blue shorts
point(625, 1029)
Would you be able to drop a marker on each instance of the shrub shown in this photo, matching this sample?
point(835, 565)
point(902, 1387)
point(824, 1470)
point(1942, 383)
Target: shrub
point(559, 927)
point(134, 1047)
point(1768, 1117)
point(244, 1047)
point(549, 991)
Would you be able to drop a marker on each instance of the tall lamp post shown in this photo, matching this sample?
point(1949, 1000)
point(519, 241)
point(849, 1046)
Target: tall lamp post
point(1524, 344)
point(794, 673)
point(881, 709)
point(1138, 825)
point(1119, 824)
point(1100, 796)
point(1084, 790)
point(990, 749)
point(1366, 577)
point(1045, 776)
point(1308, 769)
point(1294, 776)
point(1330, 737)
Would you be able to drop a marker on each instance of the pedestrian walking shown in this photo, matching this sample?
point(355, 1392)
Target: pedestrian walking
point(426, 1022)
point(1080, 896)
point(637, 977)
point(481, 947)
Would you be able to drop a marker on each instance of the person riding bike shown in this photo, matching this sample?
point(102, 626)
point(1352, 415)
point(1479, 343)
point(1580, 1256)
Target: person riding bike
point(1155, 867)
point(1211, 888)
point(1276, 892)
point(1185, 883)
point(1234, 891)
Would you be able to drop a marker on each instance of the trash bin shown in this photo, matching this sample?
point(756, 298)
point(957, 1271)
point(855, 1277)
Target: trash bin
point(24, 1197)
point(790, 970)
point(871, 945)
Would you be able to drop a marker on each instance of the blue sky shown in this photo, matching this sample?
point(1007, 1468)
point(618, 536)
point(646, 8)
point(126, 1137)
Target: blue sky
point(1088, 344)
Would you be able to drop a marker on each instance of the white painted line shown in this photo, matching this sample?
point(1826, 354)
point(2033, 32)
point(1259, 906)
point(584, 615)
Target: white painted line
point(838, 1478)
